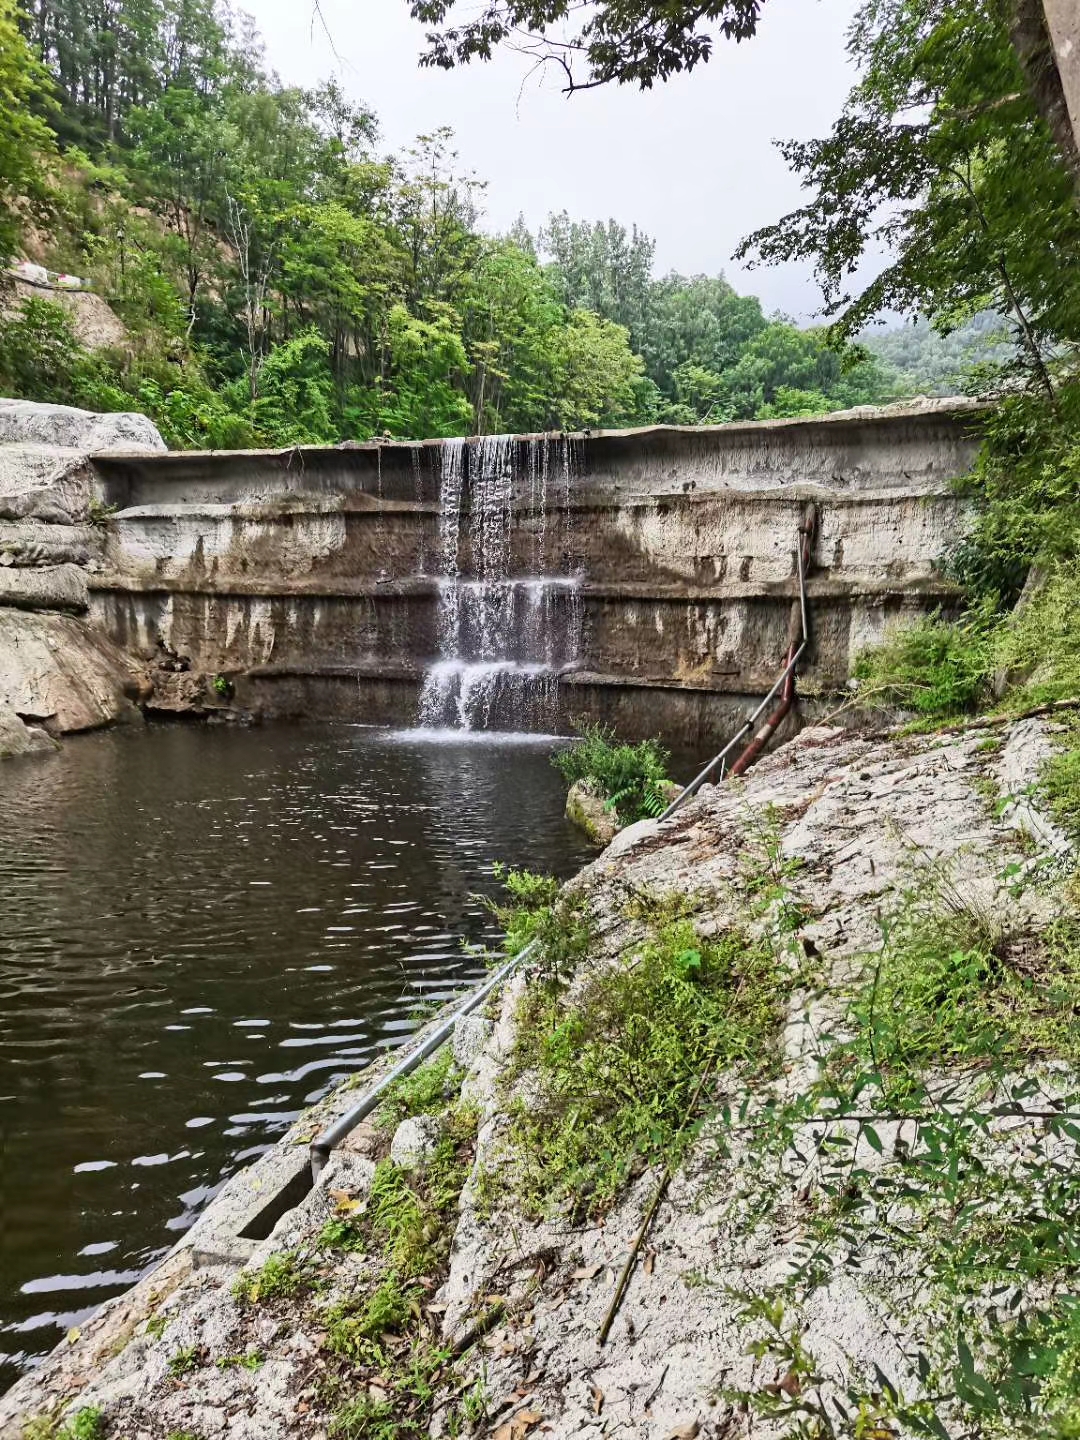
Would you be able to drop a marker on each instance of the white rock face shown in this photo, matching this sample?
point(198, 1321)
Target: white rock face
point(67, 428)
point(55, 670)
point(471, 1035)
point(414, 1141)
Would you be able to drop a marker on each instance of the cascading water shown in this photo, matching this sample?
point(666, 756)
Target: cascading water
point(508, 625)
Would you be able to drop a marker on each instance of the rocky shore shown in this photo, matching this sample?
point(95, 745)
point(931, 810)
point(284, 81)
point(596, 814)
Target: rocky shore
point(871, 939)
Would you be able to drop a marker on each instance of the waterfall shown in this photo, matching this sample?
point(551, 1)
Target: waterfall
point(508, 625)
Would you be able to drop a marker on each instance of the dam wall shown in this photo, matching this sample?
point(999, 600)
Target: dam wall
point(643, 578)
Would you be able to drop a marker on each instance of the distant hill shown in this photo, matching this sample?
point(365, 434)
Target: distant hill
point(926, 363)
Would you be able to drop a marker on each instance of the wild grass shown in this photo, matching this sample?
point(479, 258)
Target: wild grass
point(1059, 783)
point(945, 1146)
point(617, 1060)
point(937, 669)
point(425, 1092)
point(387, 1348)
point(540, 908)
point(282, 1277)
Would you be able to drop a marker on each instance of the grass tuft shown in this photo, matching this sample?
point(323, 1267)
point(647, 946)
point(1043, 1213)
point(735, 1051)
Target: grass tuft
point(617, 1063)
point(281, 1278)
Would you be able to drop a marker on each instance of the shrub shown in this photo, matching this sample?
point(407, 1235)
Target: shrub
point(541, 909)
point(936, 668)
point(1026, 490)
point(1039, 643)
point(631, 779)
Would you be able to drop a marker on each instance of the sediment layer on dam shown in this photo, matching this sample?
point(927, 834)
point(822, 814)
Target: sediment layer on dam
point(657, 567)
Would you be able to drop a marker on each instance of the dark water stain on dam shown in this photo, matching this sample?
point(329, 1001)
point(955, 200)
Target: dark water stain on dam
point(200, 932)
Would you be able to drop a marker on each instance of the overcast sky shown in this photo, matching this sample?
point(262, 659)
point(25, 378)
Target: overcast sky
point(691, 162)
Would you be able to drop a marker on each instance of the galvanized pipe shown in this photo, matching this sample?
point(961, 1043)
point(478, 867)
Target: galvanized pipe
point(333, 1135)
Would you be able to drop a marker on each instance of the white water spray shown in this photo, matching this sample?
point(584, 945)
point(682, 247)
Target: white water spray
point(504, 637)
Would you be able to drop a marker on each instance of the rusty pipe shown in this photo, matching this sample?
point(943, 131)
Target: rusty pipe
point(798, 635)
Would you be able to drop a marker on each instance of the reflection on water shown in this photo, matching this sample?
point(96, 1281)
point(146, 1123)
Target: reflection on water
point(200, 932)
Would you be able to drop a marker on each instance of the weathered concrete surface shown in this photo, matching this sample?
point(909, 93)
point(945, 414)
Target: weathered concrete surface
point(56, 670)
point(308, 576)
point(44, 587)
point(855, 820)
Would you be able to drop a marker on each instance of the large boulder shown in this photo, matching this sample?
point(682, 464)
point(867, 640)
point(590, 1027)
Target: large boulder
point(18, 738)
point(57, 671)
point(28, 422)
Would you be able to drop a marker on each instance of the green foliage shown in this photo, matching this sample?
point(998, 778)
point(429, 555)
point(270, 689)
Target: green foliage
point(250, 1360)
point(295, 392)
point(424, 1092)
point(631, 779)
point(1059, 783)
point(936, 668)
point(282, 285)
point(543, 911)
point(185, 1360)
point(940, 158)
point(1038, 644)
point(628, 41)
point(359, 1331)
point(618, 1060)
point(957, 1031)
point(1026, 492)
point(24, 138)
point(281, 1278)
point(39, 355)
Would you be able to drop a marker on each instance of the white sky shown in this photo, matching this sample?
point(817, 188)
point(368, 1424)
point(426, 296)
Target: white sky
point(691, 162)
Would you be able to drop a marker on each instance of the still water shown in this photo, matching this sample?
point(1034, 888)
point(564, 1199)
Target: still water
point(200, 932)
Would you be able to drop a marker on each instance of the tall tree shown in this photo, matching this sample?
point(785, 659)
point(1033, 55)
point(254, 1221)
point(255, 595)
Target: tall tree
point(941, 158)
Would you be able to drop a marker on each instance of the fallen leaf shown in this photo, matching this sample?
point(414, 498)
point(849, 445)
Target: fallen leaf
point(791, 1384)
point(650, 1262)
point(684, 1432)
point(588, 1272)
point(73, 1334)
point(598, 1399)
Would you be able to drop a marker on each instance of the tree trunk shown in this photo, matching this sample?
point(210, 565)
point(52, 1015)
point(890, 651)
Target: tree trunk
point(1063, 25)
point(1040, 32)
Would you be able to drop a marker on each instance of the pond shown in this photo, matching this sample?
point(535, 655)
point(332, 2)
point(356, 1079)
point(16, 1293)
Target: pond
point(201, 931)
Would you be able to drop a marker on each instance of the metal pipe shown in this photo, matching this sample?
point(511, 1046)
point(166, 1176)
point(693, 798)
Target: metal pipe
point(798, 638)
point(747, 724)
point(802, 559)
point(334, 1134)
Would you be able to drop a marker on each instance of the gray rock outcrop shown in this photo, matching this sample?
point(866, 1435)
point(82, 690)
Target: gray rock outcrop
point(57, 672)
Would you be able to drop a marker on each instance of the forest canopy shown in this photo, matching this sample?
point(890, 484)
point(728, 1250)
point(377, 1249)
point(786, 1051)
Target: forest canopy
point(283, 280)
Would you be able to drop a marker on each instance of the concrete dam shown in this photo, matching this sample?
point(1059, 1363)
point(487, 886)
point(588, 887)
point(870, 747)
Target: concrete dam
point(641, 578)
